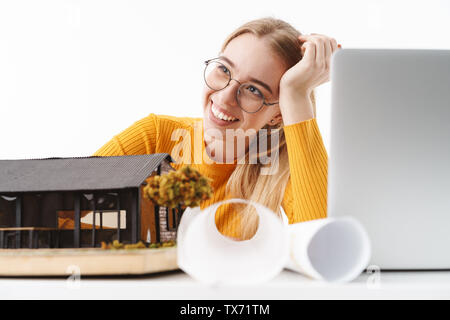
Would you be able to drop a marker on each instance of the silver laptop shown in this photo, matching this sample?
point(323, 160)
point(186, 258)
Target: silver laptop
point(389, 157)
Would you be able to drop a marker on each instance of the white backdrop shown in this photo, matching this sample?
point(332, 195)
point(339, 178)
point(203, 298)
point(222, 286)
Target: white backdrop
point(74, 73)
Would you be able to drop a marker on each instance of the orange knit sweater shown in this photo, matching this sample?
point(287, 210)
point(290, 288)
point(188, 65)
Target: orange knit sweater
point(306, 192)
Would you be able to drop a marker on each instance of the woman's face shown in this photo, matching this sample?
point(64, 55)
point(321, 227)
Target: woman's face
point(249, 60)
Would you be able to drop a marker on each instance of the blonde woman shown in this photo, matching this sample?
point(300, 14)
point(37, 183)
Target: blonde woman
point(262, 81)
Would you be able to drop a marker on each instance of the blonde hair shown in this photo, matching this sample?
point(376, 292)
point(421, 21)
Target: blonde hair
point(246, 181)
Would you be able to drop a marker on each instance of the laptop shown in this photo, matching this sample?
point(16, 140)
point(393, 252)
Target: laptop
point(389, 156)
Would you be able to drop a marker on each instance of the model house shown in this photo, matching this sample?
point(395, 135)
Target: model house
point(80, 202)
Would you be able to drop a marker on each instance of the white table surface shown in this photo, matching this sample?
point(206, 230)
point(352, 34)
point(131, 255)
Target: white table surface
point(178, 285)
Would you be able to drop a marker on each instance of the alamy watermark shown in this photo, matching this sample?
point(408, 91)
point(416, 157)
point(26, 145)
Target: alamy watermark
point(74, 279)
point(374, 279)
point(246, 146)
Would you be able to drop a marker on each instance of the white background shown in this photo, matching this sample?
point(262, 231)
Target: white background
point(75, 73)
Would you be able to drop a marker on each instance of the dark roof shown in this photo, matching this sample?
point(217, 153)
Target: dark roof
point(72, 174)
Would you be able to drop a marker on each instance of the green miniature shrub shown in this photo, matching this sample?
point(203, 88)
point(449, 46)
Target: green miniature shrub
point(185, 187)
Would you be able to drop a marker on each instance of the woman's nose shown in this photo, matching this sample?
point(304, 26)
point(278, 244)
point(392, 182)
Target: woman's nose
point(228, 95)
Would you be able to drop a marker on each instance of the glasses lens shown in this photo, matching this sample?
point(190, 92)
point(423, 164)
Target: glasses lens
point(217, 76)
point(250, 97)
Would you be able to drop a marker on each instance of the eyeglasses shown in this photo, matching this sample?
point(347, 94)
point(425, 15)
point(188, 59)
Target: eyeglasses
point(248, 96)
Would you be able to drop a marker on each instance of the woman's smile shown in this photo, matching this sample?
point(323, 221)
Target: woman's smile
point(219, 117)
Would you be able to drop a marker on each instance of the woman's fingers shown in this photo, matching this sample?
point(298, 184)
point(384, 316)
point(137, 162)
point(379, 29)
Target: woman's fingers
point(318, 47)
point(325, 47)
point(309, 54)
point(317, 50)
point(327, 43)
point(334, 44)
point(328, 53)
point(321, 57)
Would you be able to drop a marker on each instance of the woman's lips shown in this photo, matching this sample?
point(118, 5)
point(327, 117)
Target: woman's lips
point(225, 112)
point(218, 121)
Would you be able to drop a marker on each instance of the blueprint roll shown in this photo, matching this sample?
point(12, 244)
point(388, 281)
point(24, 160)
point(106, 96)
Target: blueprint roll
point(329, 249)
point(212, 258)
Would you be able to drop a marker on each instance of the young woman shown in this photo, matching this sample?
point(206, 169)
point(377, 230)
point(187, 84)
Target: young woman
point(262, 81)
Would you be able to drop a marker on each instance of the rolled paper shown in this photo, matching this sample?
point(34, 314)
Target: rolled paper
point(329, 249)
point(213, 258)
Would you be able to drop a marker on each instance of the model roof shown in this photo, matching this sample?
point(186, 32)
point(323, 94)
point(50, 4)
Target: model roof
point(73, 174)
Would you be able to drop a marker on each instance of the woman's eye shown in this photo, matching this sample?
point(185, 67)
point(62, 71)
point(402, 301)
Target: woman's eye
point(255, 91)
point(224, 69)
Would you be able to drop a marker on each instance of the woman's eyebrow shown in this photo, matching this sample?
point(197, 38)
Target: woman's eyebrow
point(266, 86)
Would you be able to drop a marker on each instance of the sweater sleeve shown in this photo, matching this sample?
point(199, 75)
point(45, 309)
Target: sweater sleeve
point(139, 138)
point(305, 196)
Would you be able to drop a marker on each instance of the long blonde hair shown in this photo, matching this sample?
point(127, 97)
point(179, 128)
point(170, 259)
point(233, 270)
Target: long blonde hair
point(246, 181)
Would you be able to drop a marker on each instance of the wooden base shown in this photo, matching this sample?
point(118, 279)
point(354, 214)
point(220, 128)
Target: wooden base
point(86, 262)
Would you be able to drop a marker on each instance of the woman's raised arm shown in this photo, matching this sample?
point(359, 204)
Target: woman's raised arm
point(305, 197)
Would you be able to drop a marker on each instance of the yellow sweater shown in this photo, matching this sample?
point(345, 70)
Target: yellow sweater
point(306, 192)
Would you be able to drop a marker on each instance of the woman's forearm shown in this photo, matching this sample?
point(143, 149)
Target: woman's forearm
point(296, 107)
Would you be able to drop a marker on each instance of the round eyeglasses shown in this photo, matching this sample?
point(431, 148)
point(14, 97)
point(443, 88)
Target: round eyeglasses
point(248, 96)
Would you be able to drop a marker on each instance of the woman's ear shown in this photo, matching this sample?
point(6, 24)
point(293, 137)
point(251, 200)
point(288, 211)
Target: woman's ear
point(275, 120)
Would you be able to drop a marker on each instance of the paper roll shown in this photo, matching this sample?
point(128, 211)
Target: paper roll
point(330, 249)
point(210, 257)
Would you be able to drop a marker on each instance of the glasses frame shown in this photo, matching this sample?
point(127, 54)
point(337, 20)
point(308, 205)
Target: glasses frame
point(264, 103)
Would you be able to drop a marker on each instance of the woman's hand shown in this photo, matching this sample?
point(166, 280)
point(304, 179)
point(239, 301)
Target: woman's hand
point(314, 68)
point(298, 82)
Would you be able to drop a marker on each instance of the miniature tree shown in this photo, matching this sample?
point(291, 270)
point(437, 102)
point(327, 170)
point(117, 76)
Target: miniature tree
point(182, 188)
